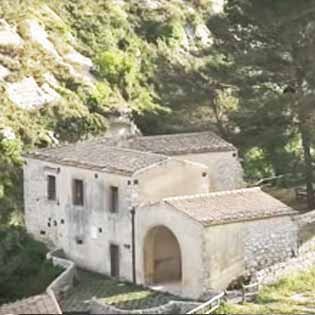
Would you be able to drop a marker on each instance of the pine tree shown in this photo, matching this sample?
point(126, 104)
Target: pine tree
point(268, 48)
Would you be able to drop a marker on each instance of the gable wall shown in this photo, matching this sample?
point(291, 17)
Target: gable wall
point(171, 178)
point(225, 170)
point(189, 235)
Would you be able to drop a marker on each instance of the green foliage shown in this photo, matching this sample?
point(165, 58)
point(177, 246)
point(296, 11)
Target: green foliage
point(267, 48)
point(23, 262)
point(117, 67)
point(278, 298)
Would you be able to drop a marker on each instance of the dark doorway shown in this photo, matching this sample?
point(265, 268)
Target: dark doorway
point(114, 261)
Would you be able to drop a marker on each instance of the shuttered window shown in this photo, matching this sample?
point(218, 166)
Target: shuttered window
point(78, 192)
point(51, 187)
point(113, 199)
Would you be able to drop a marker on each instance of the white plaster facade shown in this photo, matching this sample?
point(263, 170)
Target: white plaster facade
point(64, 223)
point(214, 256)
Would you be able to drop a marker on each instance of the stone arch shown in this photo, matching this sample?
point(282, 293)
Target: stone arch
point(162, 256)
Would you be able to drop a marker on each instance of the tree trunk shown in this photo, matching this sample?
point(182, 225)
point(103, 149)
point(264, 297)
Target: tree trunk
point(308, 167)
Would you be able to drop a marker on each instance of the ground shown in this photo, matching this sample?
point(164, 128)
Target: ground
point(120, 294)
point(287, 196)
point(291, 295)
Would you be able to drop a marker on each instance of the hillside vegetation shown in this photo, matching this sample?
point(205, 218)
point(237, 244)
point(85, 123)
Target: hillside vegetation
point(175, 65)
point(65, 64)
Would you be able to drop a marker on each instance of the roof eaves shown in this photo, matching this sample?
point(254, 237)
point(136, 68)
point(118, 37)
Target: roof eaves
point(75, 163)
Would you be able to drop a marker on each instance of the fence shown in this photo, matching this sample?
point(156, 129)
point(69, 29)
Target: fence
point(249, 290)
point(209, 306)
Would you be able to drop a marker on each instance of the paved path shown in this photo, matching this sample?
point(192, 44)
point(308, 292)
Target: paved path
point(120, 294)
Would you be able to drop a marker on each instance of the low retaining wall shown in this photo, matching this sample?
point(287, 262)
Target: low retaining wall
point(269, 242)
point(305, 219)
point(304, 261)
point(172, 307)
point(64, 281)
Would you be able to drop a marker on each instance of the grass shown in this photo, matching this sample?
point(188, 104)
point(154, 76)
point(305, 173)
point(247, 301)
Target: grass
point(291, 295)
point(119, 294)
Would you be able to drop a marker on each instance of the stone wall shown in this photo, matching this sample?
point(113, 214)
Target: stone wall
point(65, 280)
point(269, 242)
point(172, 307)
point(303, 262)
point(224, 169)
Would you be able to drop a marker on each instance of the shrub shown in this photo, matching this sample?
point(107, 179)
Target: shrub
point(24, 270)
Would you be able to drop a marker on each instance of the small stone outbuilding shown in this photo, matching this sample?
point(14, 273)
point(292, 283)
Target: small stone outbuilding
point(196, 244)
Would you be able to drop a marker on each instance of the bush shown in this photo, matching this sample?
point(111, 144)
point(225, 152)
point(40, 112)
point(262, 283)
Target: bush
point(24, 270)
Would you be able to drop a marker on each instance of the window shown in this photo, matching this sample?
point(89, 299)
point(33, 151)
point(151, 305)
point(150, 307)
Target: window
point(78, 193)
point(114, 199)
point(51, 187)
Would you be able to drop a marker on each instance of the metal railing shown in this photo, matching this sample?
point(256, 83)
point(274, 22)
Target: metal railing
point(249, 290)
point(209, 306)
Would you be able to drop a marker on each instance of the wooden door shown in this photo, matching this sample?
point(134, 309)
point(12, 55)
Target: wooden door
point(114, 261)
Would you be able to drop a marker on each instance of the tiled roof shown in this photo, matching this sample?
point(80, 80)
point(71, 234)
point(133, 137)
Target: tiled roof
point(39, 304)
point(230, 206)
point(176, 144)
point(98, 156)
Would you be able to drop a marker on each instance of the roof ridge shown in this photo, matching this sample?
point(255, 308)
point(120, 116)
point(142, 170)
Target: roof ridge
point(213, 194)
point(116, 148)
point(179, 134)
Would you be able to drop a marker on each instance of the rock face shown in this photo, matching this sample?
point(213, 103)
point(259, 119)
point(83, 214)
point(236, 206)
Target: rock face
point(27, 94)
point(4, 72)
point(38, 35)
point(8, 36)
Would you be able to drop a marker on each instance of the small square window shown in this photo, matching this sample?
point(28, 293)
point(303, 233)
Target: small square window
point(78, 192)
point(51, 187)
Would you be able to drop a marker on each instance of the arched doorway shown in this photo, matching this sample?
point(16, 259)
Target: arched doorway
point(162, 256)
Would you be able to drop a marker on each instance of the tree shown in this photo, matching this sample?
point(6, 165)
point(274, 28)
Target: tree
point(268, 48)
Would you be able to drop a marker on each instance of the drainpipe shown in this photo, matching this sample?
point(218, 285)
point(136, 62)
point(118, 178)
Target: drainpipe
point(133, 213)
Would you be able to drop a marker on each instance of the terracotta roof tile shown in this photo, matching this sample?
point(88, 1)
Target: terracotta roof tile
point(230, 206)
point(39, 304)
point(98, 156)
point(175, 144)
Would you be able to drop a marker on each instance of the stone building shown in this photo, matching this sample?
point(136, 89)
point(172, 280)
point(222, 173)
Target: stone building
point(151, 210)
point(221, 157)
